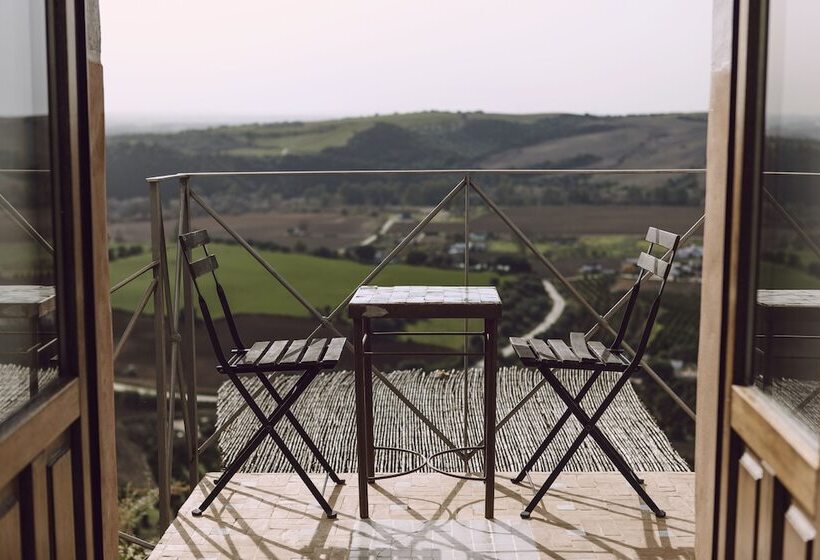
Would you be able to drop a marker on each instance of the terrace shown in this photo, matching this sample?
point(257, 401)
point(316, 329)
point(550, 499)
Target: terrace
point(425, 515)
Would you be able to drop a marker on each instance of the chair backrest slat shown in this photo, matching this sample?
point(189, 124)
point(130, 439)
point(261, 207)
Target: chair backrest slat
point(653, 265)
point(195, 239)
point(203, 266)
point(197, 268)
point(663, 238)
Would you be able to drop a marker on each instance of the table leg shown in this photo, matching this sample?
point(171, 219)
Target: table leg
point(367, 362)
point(361, 417)
point(490, 348)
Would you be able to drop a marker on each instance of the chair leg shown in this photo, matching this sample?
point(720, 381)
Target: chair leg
point(555, 429)
point(231, 470)
point(589, 427)
point(301, 431)
point(563, 463)
point(284, 448)
point(574, 407)
point(267, 423)
point(553, 475)
point(317, 495)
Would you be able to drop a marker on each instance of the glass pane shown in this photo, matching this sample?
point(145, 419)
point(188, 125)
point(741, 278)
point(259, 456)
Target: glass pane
point(787, 326)
point(28, 346)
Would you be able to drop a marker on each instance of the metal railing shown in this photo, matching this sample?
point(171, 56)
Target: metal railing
point(174, 346)
point(174, 339)
point(176, 377)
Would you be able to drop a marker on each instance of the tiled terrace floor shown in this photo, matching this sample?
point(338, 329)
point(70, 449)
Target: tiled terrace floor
point(430, 516)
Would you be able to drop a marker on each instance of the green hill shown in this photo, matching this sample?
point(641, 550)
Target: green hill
point(426, 140)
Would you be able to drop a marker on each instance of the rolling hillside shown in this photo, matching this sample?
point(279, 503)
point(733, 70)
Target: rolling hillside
point(427, 140)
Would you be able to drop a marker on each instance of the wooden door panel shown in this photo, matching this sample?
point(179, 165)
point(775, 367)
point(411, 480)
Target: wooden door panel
point(750, 474)
point(11, 540)
point(61, 494)
point(37, 507)
point(770, 507)
point(35, 489)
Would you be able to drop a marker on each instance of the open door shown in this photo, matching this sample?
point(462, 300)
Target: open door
point(758, 465)
point(57, 466)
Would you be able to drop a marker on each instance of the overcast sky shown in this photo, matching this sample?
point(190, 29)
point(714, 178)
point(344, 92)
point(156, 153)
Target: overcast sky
point(258, 58)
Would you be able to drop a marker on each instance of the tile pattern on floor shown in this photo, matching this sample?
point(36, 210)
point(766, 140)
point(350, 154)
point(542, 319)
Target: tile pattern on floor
point(433, 517)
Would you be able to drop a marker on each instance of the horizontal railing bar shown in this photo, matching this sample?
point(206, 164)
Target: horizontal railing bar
point(134, 276)
point(792, 173)
point(455, 171)
point(24, 170)
point(788, 336)
point(426, 333)
point(136, 540)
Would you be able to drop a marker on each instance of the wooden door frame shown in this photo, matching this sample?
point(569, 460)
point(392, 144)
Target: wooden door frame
point(734, 173)
point(81, 402)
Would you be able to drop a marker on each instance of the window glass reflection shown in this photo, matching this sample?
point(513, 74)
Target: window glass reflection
point(787, 325)
point(28, 345)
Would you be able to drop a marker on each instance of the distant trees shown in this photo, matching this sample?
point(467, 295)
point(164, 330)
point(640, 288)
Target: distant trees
point(416, 257)
point(123, 251)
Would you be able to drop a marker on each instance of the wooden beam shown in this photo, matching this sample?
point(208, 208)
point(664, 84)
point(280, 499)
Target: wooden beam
point(780, 441)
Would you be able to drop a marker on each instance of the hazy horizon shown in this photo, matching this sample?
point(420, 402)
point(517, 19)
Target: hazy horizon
point(135, 123)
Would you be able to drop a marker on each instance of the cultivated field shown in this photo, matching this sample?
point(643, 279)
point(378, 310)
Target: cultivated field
point(572, 220)
point(333, 230)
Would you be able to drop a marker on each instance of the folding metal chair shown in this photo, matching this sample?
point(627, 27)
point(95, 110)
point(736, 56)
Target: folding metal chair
point(264, 357)
point(596, 357)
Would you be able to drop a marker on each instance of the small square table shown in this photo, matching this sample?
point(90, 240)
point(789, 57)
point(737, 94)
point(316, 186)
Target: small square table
point(421, 302)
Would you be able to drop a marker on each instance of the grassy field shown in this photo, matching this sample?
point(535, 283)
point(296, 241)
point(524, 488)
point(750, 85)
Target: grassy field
point(323, 282)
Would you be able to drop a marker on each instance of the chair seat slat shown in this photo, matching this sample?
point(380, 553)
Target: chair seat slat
point(256, 351)
point(334, 350)
point(562, 350)
point(272, 354)
point(540, 347)
point(294, 352)
point(522, 348)
point(579, 346)
point(314, 351)
point(602, 352)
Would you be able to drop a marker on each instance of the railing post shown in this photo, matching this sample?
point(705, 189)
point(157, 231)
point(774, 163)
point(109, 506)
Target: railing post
point(466, 364)
point(188, 345)
point(160, 338)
